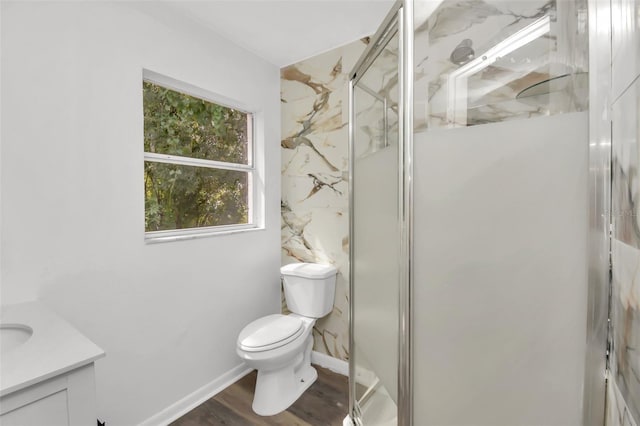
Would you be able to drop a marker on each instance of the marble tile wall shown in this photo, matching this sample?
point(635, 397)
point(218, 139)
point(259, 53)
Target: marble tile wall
point(625, 247)
point(617, 413)
point(314, 206)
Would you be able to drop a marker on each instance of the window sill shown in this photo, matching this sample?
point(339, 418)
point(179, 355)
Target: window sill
point(192, 234)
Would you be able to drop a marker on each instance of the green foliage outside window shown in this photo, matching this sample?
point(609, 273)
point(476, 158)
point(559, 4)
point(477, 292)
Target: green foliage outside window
point(179, 196)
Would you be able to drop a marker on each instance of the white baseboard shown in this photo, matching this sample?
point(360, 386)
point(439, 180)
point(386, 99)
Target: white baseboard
point(191, 401)
point(334, 364)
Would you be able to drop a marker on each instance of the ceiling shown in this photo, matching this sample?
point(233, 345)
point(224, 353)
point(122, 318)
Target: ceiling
point(286, 31)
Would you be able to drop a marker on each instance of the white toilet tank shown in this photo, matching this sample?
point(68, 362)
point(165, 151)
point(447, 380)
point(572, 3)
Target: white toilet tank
point(309, 288)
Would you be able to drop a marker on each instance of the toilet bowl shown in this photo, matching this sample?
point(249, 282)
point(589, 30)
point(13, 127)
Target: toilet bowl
point(279, 346)
point(284, 369)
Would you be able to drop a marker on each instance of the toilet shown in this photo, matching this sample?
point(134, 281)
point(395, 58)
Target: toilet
point(279, 346)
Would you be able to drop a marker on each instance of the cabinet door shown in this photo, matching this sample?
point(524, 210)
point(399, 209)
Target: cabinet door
point(50, 410)
point(65, 400)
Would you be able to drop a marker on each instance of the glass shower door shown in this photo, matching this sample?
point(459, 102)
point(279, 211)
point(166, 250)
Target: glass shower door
point(375, 236)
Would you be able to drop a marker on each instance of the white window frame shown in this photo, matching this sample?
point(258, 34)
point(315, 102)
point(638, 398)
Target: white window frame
point(254, 214)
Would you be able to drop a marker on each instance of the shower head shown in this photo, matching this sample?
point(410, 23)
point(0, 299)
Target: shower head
point(463, 52)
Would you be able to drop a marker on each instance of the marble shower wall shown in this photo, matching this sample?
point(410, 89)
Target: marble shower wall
point(315, 215)
point(624, 391)
point(618, 413)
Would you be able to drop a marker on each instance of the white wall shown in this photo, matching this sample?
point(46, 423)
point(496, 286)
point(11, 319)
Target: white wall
point(500, 293)
point(73, 207)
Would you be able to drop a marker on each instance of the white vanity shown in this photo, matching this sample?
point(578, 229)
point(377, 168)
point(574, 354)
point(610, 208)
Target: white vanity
point(46, 369)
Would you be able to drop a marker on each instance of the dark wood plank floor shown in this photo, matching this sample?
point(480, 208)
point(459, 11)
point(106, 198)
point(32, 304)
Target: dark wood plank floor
point(323, 404)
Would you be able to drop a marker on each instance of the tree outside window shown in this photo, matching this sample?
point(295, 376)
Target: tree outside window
point(198, 167)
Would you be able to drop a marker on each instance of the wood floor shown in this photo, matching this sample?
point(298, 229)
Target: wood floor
point(323, 404)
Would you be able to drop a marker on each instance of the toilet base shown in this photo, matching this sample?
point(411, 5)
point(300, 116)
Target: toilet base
point(277, 389)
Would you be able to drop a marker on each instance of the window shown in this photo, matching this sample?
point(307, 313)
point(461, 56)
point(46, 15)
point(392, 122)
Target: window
point(198, 166)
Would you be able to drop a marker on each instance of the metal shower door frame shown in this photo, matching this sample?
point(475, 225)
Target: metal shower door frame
point(398, 20)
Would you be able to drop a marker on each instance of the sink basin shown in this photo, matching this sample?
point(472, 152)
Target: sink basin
point(12, 336)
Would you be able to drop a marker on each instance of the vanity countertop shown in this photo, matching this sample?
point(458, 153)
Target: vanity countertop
point(54, 348)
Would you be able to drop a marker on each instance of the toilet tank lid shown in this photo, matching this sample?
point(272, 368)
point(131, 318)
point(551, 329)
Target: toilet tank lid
point(309, 270)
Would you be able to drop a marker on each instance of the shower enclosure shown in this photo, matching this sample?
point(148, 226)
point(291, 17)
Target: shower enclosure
point(377, 128)
point(469, 185)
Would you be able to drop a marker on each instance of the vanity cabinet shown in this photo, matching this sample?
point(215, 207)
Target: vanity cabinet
point(47, 378)
point(68, 399)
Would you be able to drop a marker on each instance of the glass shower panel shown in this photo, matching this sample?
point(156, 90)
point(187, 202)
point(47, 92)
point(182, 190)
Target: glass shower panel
point(376, 238)
point(499, 60)
point(500, 212)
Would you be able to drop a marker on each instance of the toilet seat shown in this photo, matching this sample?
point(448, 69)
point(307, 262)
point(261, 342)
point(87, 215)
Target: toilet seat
point(270, 332)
